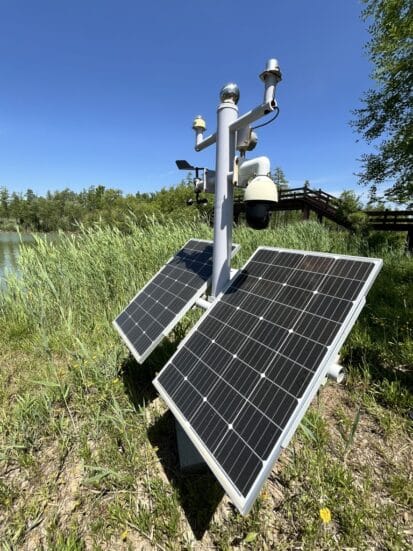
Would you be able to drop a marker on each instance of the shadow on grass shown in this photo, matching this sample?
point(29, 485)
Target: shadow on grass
point(137, 378)
point(199, 494)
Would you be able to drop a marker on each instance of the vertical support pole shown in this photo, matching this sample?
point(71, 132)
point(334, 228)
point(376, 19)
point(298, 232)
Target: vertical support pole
point(306, 213)
point(223, 207)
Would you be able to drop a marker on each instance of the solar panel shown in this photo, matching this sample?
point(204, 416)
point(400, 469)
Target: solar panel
point(243, 378)
point(166, 298)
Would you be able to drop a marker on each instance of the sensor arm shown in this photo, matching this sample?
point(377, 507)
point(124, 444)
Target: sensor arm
point(203, 144)
point(271, 77)
point(199, 125)
point(253, 115)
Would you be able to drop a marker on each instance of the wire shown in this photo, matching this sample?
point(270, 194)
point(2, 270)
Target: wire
point(277, 112)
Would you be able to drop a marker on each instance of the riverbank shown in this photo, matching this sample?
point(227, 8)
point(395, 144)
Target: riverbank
point(87, 448)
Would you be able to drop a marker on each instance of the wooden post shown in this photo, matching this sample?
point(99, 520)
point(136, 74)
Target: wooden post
point(306, 213)
point(410, 239)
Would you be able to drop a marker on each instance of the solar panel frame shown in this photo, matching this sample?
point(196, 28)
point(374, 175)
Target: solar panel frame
point(244, 503)
point(140, 358)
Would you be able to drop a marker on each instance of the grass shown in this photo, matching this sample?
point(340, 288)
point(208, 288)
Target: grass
point(87, 449)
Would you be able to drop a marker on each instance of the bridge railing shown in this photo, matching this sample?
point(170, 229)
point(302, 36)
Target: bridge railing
point(390, 217)
point(308, 193)
point(328, 205)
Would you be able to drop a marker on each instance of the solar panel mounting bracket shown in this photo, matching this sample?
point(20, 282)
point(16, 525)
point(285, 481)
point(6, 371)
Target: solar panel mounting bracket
point(202, 303)
point(336, 371)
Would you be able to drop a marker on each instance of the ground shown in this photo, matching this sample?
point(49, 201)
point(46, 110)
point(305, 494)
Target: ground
point(351, 455)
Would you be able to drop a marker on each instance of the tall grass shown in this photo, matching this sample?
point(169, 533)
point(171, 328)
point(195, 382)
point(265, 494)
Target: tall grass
point(69, 289)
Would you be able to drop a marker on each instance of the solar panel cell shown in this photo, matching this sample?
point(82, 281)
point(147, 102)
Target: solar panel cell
point(268, 334)
point(259, 352)
point(258, 431)
point(319, 329)
point(329, 307)
point(289, 375)
point(297, 298)
point(215, 355)
point(210, 426)
point(238, 460)
point(282, 315)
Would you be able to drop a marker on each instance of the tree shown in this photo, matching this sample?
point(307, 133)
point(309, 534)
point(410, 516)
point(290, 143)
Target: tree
point(350, 211)
point(279, 178)
point(4, 202)
point(387, 111)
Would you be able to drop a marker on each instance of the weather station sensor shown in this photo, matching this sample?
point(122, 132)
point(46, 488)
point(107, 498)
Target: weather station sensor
point(242, 379)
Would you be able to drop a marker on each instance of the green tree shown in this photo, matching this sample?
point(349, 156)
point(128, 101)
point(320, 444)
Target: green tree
point(4, 202)
point(279, 178)
point(30, 196)
point(18, 209)
point(350, 210)
point(387, 112)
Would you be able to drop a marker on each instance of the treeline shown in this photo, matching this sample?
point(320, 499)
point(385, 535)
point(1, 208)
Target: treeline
point(66, 209)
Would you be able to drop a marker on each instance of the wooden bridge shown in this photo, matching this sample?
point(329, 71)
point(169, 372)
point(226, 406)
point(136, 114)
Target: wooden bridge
point(307, 200)
point(328, 206)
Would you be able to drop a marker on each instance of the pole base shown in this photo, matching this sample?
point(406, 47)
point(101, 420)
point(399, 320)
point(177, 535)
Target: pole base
point(190, 461)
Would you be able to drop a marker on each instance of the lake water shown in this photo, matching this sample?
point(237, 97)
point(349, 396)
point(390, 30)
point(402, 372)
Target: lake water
point(10, 249)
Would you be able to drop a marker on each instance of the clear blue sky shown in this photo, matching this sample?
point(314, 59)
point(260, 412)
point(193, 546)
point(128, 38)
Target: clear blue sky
point(104, 92)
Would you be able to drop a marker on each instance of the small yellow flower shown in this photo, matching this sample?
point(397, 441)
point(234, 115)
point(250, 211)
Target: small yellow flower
point(115, 381)
point(325, 515)
point(124, 535)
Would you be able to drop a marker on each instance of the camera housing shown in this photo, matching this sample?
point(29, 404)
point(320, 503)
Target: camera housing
point(260, 197)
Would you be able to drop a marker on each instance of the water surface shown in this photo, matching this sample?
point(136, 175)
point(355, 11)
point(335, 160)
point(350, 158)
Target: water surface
point(10, 249)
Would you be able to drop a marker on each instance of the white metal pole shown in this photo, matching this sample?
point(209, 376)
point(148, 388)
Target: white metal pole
point(223, 209)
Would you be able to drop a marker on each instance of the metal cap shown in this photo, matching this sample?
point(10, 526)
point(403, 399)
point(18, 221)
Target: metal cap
point(229, 92)
point(199, 123)
point(272, 68)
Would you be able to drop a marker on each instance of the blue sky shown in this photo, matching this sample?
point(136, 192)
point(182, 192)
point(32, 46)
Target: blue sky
point(104, 92)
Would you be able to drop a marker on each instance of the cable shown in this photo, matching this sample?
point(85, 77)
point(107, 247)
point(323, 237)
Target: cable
point(277, 112)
